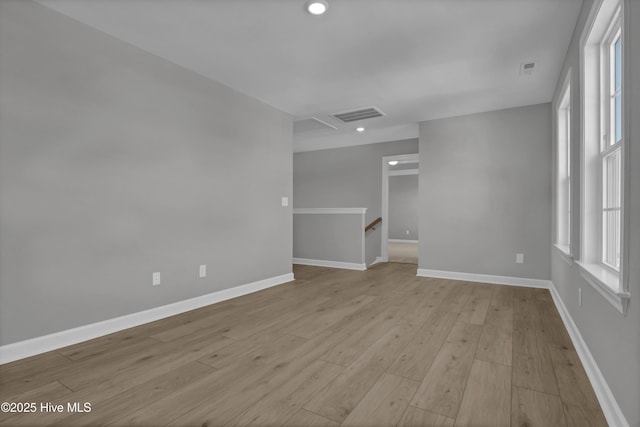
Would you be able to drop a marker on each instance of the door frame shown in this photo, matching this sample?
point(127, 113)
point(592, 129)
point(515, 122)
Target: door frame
point(386, 174)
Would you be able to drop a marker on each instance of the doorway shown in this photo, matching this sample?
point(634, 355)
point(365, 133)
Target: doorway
point(400, 232)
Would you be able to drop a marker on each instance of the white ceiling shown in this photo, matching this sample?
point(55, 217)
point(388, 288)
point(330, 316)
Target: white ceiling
point(415, 60)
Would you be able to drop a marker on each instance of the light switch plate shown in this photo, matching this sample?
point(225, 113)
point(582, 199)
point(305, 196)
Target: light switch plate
point(285, 201)
point(203, 270)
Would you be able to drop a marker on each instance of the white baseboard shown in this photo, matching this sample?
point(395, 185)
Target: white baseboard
point(612, 411)
point(31, 347)
point(378, 260)
point(331, 264)
point(485, 278)
point(401, 241)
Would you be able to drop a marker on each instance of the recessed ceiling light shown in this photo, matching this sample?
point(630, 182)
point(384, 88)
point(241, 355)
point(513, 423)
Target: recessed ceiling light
point(393, 162)
point(317, 7)
point(360, 129)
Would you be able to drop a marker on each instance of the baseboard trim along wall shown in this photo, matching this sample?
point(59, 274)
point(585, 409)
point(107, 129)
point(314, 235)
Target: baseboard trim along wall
point(610, 407)
point(401, 241)
point(31, 347)
point(331, 264)
point(485, 278)
point(378, 260)
point(607, 401)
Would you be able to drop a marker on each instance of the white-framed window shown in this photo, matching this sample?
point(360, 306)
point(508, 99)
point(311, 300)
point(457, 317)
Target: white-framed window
point(563, 169)
point(602, 179)
point(610, 151)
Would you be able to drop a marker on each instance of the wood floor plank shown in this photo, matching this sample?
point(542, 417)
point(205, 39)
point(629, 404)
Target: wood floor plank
point(456, 296)
point(575, 389)
point(416, 358)
point(534, 409)
point(416, 417)
point(347, 351)
point(155, 359)
point(475, 309)
point(487, 397)
point(199, 395)
point(132, 399)
point(338, 398)
point(32, 371)
point(285, 311)
point(495, 343)
point(354, 322)
point(309, 419)
point(106, 388)
point(532, 366)
point(42, 393)
point(52, 392)
point(525, 335)
point(502, 297)
point(204, 323)
point(442, 389)
point(263, 350)
point(327, 316)
point(238, 397)
point(418, 307)
point(577, 416)
point(283, 402)
point(109, 364)
point(234, 395)
point(524, 304)
point(534, 372)
point(384, 404)
point(553, 330)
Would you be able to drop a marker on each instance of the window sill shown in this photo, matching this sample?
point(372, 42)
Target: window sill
point(565, 253)
point(605, 282)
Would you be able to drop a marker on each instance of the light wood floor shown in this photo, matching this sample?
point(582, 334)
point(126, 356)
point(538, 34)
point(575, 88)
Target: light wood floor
point(336, 347)
point(402, 252)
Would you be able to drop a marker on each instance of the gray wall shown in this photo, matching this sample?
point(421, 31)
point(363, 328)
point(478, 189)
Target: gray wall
point(485, 193)
point(115, 163)
point(403, 207)
point(334, 237)
point(613, 339)
point(348, 177)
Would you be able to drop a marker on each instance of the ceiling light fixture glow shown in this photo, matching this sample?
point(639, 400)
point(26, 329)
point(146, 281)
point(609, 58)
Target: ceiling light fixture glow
point(393, 162)
point(360, 129)
point(317, 7)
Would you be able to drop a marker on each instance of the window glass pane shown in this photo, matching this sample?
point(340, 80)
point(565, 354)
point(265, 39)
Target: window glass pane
point(611, 198)
point(611, 228)
point(618, 117)
point(618, 65)
point(611, 176)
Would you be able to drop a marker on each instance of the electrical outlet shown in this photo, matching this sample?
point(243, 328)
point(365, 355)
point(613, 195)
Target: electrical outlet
point(285, 201)
point(407, 231)
point(519, 258)
point(155, 280)
point(203, 270)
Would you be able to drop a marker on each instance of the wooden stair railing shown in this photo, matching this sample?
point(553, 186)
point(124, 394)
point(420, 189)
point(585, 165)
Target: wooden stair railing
point(373, 224)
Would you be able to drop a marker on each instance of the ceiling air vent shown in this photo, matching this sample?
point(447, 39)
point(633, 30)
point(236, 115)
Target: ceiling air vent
point(310, 125)
point(527, 68)
point(354, 116)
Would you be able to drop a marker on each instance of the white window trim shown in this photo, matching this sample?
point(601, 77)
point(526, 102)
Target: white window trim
point(613, 287)
point(600, 278)
point(564, 249)
point(606, 130)
point(564, 252)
